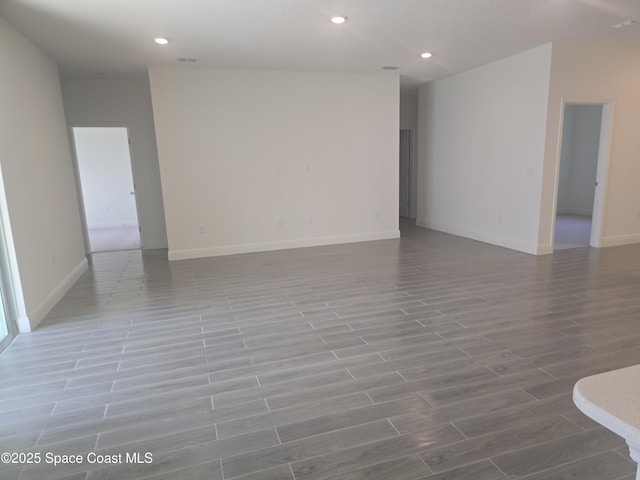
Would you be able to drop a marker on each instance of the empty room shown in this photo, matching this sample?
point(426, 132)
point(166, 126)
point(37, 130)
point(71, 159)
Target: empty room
point(306, 240)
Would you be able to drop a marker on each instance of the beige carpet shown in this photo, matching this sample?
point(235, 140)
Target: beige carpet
point(572, 231)
point(114, 239)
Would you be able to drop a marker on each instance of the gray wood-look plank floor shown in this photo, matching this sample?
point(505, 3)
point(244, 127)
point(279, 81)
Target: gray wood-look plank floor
point(428, 357)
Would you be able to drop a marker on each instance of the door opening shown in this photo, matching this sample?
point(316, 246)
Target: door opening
point(583, 159)
point(8, 329)
point(405, 173)
point(107, 187)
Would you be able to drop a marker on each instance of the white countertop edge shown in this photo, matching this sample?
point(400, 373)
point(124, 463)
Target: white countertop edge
point(613, 423)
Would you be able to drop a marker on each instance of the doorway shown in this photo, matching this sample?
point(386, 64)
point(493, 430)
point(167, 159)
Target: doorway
point(583, 157)
point(108, 188)
point(6, 328)
point(405, 173)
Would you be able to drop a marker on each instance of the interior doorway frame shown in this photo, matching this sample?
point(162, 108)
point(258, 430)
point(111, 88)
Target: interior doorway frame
point(78, 183)
point(409, 169)
point(10, 291)
point(602, 169)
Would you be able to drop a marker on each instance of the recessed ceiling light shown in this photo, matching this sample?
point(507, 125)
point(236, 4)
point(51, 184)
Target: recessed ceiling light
point(389, 67)
point(426, 55)
point(161, 41)
point(338, 20)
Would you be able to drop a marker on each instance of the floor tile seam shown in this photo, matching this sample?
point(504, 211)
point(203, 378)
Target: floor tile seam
point(431, 472)
point(334, 430)
point(301, 378)
point(150, 476)
point(522, 389)
point(374, 463)
point(498, 468)
point(542, 417)
point(84, 350)
point(340, 429)
point(210, 425)
point(109, 358)
point(313, 456)
point(370, 399)
point(18, 397)
point(158, 341)
point(464, 351)
point(470, 383)
point(496, 432)
point(539, 444)
point(622, 455)
point(115, 381)
point(429, 403)
point(581, 459)
point(48, 445)
point(138, 389)
point(393, 426)
point(171, 394)
point(453, 424)
point(552, 376)
point(308, 389)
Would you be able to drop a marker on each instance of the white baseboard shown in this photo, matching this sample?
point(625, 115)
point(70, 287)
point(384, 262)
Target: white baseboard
point(154, 244)
point(572, 211)
point(620, 240)
point(482, 237)
point(54, 297)
point(23, 324)
point(546, 249)
point(280, 245)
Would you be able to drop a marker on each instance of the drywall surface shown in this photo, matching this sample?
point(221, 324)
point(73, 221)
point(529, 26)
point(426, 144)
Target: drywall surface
point(124, 102)
point(598, 74)
point(105, 175)
point(579, 159)
point(42, 212)
point(481, 150)
point(264, 160)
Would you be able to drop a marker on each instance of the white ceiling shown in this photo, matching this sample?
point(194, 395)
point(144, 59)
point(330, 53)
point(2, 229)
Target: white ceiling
point(115, 37)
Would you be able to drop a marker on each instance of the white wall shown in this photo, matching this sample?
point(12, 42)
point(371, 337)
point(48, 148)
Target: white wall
point(124, 102)
point(409, 121)
point(266, 160)
point(39, 204)
point(589, 73)
point(105, 174)
point(481, 148)
point(579, 159)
